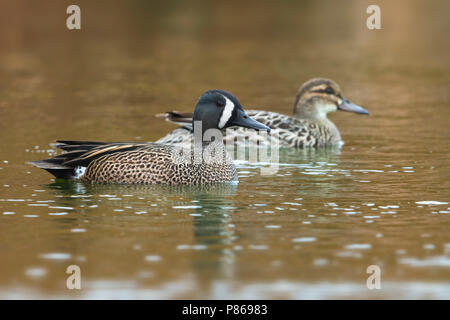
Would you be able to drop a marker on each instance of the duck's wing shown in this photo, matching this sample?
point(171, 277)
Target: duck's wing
point(289, 131)
point(81, 154)
point(298, 133)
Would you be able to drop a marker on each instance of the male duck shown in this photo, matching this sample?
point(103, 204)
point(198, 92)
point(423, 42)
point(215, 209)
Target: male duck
point(308, 127)
point(152, 163)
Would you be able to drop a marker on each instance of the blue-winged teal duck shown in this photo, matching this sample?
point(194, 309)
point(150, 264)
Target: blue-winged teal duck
point(308, 127)
point(152, 163)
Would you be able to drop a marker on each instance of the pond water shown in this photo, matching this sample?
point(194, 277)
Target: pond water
point(309, 231)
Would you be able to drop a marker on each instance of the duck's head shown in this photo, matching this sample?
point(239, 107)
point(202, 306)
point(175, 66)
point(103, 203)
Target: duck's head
point(219, 109)
point(317, 97)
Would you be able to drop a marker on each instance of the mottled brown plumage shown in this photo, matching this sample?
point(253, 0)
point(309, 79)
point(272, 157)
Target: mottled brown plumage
point(309, 127)
point(291, 132)
point(148, 163)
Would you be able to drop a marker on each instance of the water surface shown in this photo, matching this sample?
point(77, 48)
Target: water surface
point(309, 231)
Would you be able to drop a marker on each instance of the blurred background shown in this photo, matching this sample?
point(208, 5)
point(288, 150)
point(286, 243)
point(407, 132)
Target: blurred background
point(309, 232)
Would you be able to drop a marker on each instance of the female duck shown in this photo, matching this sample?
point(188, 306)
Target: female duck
point(152, 163)
point(308, 127)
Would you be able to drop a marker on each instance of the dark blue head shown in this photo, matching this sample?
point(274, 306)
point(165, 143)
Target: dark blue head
point(219, 109)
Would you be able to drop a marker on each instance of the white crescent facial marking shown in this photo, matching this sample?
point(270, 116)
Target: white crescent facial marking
point(79, 172)
point(227, 112)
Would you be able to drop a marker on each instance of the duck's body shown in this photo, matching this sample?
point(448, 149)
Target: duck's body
point(291, 132)
point(308, 127)
point(134, 163)
point(153, 163)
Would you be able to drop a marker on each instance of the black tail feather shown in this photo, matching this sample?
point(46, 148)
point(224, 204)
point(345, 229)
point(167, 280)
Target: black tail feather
point(55, 167)
point(80, 153)
point(183, 119)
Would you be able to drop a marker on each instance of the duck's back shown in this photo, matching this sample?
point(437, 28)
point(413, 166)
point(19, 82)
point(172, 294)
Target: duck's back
point(289, 132)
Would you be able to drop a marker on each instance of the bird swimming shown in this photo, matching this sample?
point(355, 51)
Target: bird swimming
point(154, 163)
point(308, 127)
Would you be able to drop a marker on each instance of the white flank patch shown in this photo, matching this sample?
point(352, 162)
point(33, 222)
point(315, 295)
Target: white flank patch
point(227, 112)
point(79, 172)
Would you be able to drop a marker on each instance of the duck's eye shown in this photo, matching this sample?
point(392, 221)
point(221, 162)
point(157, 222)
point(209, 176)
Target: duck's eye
point(220, 103)
point(329, 90)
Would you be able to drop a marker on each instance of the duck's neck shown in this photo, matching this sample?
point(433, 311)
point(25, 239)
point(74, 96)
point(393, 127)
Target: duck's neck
point(210, 148)
point(319, 117)
point(208, 139)
point(334, 132)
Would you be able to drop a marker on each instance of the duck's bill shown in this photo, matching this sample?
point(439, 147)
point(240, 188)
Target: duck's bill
point(351, 107)
point(243, 120)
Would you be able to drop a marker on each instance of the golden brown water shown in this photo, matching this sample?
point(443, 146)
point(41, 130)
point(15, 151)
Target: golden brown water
point(308, 232)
